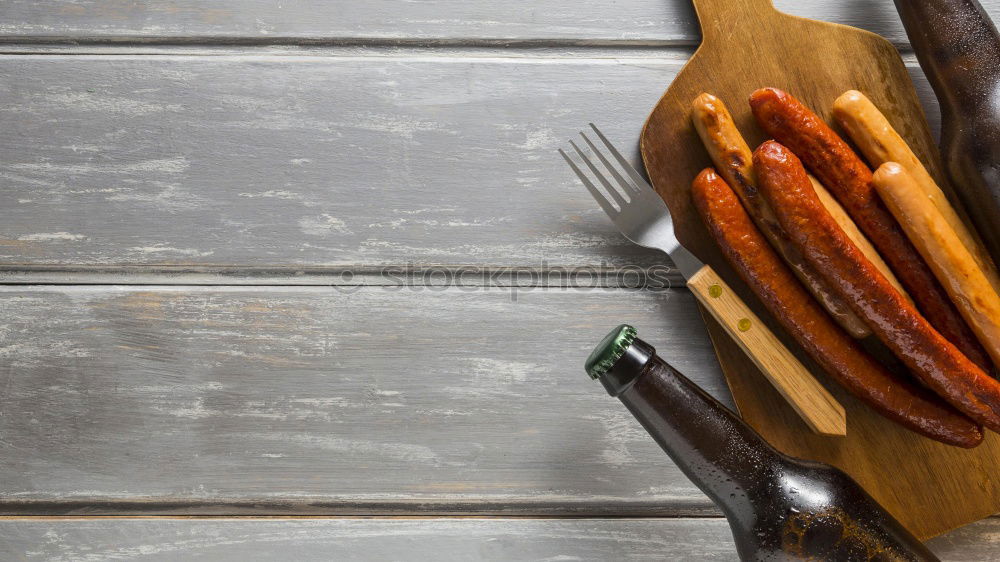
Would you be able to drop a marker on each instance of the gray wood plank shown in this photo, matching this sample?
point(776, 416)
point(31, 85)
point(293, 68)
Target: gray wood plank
point(314, 161)
point(442, 20)
point(240, 540)
point(972, 543)
point(331, 400)
point(459, 540)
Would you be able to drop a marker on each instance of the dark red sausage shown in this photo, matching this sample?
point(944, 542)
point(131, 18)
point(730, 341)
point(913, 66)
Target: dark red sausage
point(933, 359)
point(777, 287)
point(850, 180)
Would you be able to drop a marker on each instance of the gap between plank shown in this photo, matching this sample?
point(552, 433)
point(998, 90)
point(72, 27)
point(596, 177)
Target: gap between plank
point(345, 517)
point(374, 41)
point(679, 51)
point(442, 276)
point(409, 508)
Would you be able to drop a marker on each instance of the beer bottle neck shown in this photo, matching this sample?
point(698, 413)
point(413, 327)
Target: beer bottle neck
point(959, 51)
point(723, 456)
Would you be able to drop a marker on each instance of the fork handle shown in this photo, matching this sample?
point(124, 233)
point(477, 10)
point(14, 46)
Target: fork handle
point(814, 404)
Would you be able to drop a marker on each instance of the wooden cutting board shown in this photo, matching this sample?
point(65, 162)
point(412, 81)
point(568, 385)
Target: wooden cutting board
point(747, 44)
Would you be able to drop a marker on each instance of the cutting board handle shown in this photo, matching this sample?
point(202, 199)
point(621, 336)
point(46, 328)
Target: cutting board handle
point(720, 15)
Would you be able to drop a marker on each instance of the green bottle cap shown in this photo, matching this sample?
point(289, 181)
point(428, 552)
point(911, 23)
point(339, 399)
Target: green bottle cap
point(611, 348)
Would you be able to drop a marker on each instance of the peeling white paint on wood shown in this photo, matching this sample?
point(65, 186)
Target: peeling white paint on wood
point(333, 395)
point(440, 540)
point(272, 161)
point(283, 163)
point(444, 20)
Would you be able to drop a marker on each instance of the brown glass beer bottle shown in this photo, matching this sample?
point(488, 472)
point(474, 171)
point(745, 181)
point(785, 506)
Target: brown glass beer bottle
point(778, 507)
point(959, 51)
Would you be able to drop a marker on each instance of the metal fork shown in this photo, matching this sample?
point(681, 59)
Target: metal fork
point(642, 216)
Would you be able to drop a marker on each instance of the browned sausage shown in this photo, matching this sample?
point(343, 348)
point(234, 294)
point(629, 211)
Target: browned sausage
point(954, 263)
point(734, 162)
point(928, 355)
point(880, 143)
point(849, 179)
point(777, 287)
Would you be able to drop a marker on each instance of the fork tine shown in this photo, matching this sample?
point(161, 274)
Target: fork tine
point(601, 199)
point(626, 186)
point(600, 177)
point(632, 173)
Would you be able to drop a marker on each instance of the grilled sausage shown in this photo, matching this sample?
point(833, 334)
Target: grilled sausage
point(838, 354)
point(927, 354)
point(732, 158)
point(880, 143)
point(840, 170)
point(838, 213)
point(955, 266)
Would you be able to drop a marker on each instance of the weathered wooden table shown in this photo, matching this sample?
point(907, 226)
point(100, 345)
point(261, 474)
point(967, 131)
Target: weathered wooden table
point(288, 280)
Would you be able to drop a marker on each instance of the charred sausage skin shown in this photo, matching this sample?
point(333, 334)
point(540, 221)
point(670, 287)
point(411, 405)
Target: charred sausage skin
point(797, 311)
point(734, 162)
point(926, 353)
point(841, 171)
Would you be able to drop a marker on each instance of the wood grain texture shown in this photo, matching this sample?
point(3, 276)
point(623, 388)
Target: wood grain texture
point(793, 381)
point(270, 161)
point(460, 540)
point(444, 540)
point(748, 45)
point(448, 20)
point(210, 170)
point(331, 400)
